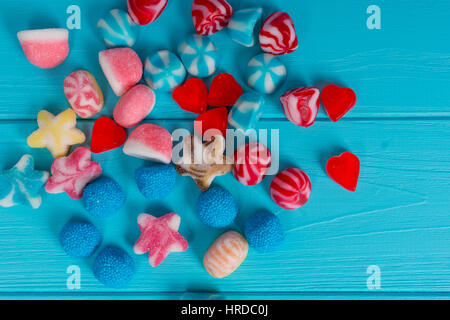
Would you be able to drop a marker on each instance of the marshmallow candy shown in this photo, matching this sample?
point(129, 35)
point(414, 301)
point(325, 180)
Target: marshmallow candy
point(290, 189)
point(45, 48)
point(210, 16)
point(251, 163)
point(117, 29)
point(277, 35)
point(199, 55)
point(242, 25)
point(164, 71)
point(301, 105)
point(134, 106)
point(265, 73)
point(145, 11)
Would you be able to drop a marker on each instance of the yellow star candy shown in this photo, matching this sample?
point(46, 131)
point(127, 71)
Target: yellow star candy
point(56, 133)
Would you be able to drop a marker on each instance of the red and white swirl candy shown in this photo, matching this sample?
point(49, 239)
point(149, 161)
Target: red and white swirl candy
point(251, 162)
point(290, 189)
point(277, 35)
point(210, 16)
point(145, 11)
point(301, 105)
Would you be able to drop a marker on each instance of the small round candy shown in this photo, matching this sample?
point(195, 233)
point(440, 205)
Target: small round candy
point(242, 25)
point(216, 207)
point(264, 232)
point(199, 55)
point(277, 34)
point(301, 105)
point(117, 29)
point(145, 11)
point(156, 181)
point(103, 197)
point(245, 113)
point(210, 16)
point(114, 267)
point(265, 73)
point(80, 239)
point(290, 189)
point(134, 106)
point(164, 71)
point(251, 163)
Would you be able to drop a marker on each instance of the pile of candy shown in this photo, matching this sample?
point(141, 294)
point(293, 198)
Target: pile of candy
point(81, 178)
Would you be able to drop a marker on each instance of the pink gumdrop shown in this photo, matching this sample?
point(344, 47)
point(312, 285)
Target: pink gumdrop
point(122, 68)
point(277, 35)
point(251, 163)
point(145, 11)
point(210, 16)
point(290, 189)
point(301, 105)
point(134, 106)
point(45, 48)
point(150, 142)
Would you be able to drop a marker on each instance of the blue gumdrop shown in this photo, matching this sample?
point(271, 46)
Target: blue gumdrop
point(164, 71)
point(114, 267)
point(242, 25)
point(156, 181)
point(216, 207)
point(265, 73)
point(117, 29)
point(80, 239)
point(264, 232)
point(245, 113)
point(103, 197)
point(199, 55)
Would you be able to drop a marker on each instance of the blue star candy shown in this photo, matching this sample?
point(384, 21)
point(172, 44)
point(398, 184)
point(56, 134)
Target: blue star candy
point(22, 184)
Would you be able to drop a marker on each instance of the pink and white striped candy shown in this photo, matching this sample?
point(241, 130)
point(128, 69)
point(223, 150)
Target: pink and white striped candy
point(134, 106)
point(301, 105)
point(45, 48)
point(290, 189)
point(210, 16)
point(277, 35)
point(122, 68)
point(251, 162)
point(145, 11)
point(83, 93)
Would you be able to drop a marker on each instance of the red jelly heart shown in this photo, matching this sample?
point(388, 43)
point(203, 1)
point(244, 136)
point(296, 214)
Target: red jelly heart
point(337, 101)
point(107, 135)
point(192, 96)
point(224, 91)
point(216, 118)
point(344, 170)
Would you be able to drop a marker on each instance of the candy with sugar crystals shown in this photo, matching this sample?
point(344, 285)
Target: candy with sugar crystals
point(117, 29)
point(72, 173)
point(212, 122)
point(216, 207)
point(199, 55)
point(145, 11)
point(122, 68)
point(134, 106)
point(45, 48)
point(301, 105)
point(251, 162)
point(246, 112)
point(337, 101)
point(159, 237)
point(83, 93)
point(192, 96)
point(264, 232)
point(224, 91)
point(226, 254)
point(22, 184)
point(103, 197)
point(107, 135)
point(242, 25)
point(114, 267)
point(164, 71)
point(56, 133)
point(210, 16)
point(150, 142)
point(265, 73)
point(290, 189)
point(277, 35)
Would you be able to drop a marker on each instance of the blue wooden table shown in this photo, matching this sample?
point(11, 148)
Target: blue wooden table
point(395, 228)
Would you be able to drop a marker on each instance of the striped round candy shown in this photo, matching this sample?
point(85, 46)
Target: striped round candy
point(242, 25)
point(246, 112)
point(210, 16)
point(199, 55)
point(265, 73)
point(145, 11)
point(290, 189)
point(301, 105)
point(117, 29)
point(251, 162)
point(277, 35)
point(226, 254)
point(164, 71)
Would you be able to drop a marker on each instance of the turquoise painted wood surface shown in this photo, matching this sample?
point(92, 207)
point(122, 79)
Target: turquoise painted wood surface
point(397, 220)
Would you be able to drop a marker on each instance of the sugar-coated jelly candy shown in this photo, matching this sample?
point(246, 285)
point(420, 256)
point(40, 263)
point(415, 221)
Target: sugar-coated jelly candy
point(210, 16)
point(344, 170)
point(216, 207)
point(290, 189)
point(134, 106)
point(145, 11)
point(265, 73)
point(114, 267)
point(246, 112)
point(199, 55)
point(103, 197)
point(251, 163)
point(164, 71)
point(277, 35)
point(301, 105)
point(117, 29)
point(264, 232)
point(242, 25)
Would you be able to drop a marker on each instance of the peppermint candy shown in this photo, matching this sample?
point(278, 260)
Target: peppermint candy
point(210, 16)
point(290, 189)
point(301, 105)
point(251, 162)
point(277, 35)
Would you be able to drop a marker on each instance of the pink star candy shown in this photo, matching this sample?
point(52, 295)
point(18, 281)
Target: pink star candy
point(72, 173)
point(159, 236)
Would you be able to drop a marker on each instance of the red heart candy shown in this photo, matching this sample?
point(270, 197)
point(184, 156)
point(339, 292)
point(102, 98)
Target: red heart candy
point(192, 96)
point(344, 170)
point(107, 135)
point(224, 91)
point(216, 118)
point(337, 101)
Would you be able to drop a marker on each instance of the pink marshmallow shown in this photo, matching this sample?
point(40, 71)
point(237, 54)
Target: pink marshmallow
point(45, 48)
point(134, 106)
point(150, 142)
point(122, 68)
